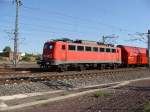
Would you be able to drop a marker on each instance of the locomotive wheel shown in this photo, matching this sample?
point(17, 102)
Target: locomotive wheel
point(101, 67)
point(81, 67)
point(41, 66)
point(115, 66)
point(62, 68)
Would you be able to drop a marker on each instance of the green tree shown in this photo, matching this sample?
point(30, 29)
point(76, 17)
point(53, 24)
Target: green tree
point(7, 49)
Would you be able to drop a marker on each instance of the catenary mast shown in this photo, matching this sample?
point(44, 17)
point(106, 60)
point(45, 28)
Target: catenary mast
point(16, 32)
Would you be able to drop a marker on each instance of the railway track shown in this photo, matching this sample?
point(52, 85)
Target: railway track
point(20, 77)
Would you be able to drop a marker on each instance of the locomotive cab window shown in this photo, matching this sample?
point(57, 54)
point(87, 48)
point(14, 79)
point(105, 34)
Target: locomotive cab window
point(63, 47)
point(113, 50)
point(88, 48)
point(107, 49)
point(95, 49)
point(102, 50)
point(80, 48)
point(45, 46)
point(48, 46)
point(72, 47)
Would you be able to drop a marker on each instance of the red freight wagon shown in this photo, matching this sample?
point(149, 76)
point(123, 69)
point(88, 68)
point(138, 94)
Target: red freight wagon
point(133, 56)
point(82, 55)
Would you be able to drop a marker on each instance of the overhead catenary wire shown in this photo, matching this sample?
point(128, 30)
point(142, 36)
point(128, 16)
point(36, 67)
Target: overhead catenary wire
point(66, 23)
point(56, 29)
point(35, 29)
point(30, 31)
point(51, 30)
point(77, 18)
point(48, 29)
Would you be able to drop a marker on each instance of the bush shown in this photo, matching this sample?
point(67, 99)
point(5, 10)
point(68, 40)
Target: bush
point(147, 107)
point(1, 58)
point(29, 55)
point(38, 57)
point(26, 58)
point(6, 54)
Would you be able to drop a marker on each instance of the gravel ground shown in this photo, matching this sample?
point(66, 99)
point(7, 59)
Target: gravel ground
point(130, 98)
point(32, 87)
point(68, 84)
point(107, 78)
point(22, 88)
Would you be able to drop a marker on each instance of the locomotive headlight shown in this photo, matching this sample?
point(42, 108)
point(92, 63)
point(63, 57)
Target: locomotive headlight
point(47, 63)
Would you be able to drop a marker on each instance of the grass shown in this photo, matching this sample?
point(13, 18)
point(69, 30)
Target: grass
point(147, 107)
point(101, 94)
point(65, 94)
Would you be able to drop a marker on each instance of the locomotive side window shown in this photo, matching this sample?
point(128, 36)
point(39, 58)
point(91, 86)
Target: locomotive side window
point(72, 47)
point(88, 48)
point(63, 47)
point(95, 49)
point(102, 50)
point(113, 50)
point(107, 49)
point(80, 48)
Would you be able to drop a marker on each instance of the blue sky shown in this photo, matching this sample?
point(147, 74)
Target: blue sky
point(42, 20)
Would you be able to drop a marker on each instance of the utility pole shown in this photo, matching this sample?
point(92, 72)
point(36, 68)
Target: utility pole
point(16, 32)
point(148, 47)
point(103, 39)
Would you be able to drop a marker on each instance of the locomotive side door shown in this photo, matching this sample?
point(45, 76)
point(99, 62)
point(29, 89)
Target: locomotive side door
point(64, 53)
point(118, 55)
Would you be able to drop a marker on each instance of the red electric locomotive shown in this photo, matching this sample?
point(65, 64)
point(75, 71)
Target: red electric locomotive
point(79, 54)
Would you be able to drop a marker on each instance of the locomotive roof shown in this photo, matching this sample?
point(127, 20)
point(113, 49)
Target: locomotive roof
point(91, 43)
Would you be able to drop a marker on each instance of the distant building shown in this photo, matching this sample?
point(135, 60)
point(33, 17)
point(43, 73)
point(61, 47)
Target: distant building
point(19, 56)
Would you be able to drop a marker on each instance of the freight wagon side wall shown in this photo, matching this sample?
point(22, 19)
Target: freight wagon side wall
point(144, 55)
point(133, 55)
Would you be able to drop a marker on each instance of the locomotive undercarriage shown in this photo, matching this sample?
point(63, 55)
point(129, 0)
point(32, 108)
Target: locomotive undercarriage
point(77, 66)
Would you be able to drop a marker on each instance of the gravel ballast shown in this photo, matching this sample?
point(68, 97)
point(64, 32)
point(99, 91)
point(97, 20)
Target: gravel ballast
point(43, 86)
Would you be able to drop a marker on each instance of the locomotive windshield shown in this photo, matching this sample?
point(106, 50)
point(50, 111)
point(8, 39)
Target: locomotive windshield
point(48, 46)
